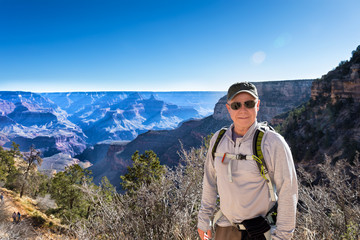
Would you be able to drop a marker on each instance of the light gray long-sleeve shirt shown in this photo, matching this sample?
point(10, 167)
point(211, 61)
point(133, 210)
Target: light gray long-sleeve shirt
point(247, 196)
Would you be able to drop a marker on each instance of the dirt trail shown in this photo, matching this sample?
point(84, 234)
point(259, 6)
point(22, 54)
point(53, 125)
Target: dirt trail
point(10, 205)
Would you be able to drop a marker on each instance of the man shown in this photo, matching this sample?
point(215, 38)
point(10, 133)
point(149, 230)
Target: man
point(246, 194)
point(14, 217)
point(18, 217)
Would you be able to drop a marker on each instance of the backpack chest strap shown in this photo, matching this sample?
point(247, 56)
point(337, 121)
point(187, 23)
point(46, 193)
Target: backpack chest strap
point(233, 156)
point(262, 167)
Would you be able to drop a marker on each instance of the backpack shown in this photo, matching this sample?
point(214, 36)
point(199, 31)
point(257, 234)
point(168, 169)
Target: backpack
point(259, 158)
point(257, 153)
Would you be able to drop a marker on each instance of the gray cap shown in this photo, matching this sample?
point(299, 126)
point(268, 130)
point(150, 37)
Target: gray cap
point(240, 87)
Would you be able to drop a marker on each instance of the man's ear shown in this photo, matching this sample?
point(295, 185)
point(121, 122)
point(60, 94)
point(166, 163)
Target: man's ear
point(258, 105)
point(228, 107)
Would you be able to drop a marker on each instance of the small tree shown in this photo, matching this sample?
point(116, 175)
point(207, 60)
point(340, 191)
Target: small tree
point(31, 159)
point(107, 189)
point(7, 161)
point(146, 168)
point(38, 185)
point(65, 189)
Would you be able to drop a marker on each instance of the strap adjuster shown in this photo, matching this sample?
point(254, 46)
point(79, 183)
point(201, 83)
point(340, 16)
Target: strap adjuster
point(240, 157)
point(240, 226)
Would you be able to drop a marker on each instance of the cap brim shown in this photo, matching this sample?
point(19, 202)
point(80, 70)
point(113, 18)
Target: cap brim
point(246, 91)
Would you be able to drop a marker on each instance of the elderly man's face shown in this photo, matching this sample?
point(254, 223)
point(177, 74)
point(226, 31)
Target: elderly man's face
point(243, 117)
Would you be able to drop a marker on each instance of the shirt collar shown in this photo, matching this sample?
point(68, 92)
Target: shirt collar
point(247, 134)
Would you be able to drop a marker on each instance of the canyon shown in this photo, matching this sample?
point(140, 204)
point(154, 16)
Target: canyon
point(104, 129)
point(276, 97)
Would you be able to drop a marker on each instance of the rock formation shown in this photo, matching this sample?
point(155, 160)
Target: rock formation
point(330, 122)
point(30, 119)
point(59, 162)
point(338, 85)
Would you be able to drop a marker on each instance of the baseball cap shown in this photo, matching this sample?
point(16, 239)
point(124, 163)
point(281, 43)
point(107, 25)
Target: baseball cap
point(240, 87)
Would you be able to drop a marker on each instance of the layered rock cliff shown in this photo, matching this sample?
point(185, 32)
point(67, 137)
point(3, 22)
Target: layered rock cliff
point(68, 122)
point(122, 116)
point(330, 122)
point(341, 83)
point(30, 119)
point(281, 96)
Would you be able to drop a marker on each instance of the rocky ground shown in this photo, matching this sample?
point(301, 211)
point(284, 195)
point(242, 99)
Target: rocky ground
point(28, 227)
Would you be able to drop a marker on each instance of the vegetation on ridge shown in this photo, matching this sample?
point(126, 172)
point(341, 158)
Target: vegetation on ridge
point(324, 125)
point(166, 206)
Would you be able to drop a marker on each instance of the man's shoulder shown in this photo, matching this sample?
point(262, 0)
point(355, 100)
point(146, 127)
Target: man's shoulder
point(221, 132)
point(218, 136)
point(271, 137)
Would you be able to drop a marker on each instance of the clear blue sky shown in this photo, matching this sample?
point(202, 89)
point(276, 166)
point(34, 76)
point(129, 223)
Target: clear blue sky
point(170, 45)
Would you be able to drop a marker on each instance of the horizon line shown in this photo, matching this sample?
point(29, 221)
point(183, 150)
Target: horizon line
point(159, 91)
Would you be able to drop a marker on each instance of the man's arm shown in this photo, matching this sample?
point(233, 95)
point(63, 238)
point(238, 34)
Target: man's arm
point(209, 193)
point(286, 185)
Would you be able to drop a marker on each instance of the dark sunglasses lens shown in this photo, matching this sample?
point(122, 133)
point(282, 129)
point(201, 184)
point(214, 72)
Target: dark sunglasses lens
point(249, 104)
point(235, 105)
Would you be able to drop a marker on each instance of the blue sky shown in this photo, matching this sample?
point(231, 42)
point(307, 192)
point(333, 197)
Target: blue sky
point(170, 45)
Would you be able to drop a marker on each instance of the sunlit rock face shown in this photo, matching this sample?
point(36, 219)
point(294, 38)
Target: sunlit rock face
point(328, 125)
point(68, 122)
point(341, 83)
point(60, 161)
point(123, 116)
point(30, 119)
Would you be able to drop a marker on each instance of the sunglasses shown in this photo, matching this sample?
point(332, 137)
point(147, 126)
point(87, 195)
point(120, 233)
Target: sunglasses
point(247, 104)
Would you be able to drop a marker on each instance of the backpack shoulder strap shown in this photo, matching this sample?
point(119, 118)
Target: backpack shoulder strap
point(259, 157)
point(216, 144)
point(258, 136)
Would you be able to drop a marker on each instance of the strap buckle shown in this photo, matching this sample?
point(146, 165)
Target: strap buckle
point(240, 157)
point(240, 226)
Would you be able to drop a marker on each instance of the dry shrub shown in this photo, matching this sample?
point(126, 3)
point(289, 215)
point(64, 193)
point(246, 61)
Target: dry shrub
point(45, 203)
point(166, 209)
point(22, 230)
point(330, 208)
